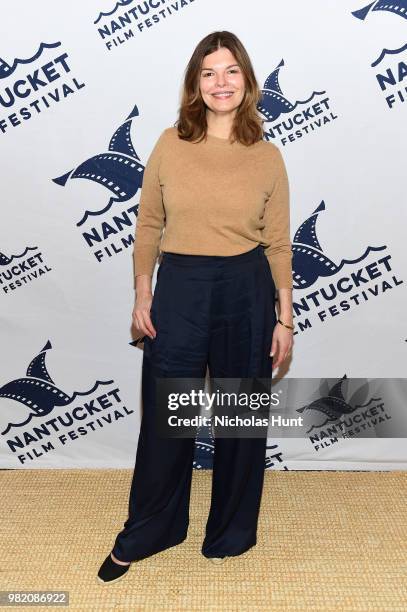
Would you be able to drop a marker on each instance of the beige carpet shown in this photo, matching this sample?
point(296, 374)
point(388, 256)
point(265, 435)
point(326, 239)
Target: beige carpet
point(326, 541)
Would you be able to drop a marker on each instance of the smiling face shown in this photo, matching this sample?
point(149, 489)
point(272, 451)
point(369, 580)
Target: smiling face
point(221, 83)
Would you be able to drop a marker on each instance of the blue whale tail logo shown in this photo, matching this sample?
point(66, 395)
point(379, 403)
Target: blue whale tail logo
point(333, 404)
point(118, 169)
point(309, 262)
point(273, 102)
point(36, 389)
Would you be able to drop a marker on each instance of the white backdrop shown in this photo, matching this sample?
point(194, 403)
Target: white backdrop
point(85, 95)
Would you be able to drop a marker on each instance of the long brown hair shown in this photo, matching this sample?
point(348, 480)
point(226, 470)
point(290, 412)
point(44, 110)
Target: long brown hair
point(191, 124)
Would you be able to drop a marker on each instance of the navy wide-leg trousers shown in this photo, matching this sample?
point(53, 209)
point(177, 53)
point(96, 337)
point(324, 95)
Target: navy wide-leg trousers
point(216, 312)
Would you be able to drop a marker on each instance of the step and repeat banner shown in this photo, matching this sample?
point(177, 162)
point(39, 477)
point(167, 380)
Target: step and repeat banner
point(85, 91)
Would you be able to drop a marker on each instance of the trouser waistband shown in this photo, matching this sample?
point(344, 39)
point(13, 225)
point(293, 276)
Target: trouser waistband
point(184, 259)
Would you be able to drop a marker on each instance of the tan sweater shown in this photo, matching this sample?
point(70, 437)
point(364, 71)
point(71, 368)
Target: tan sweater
point(214, 198)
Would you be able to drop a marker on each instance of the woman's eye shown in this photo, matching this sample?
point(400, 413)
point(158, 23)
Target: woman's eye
point(210, 73)
point(231, 70)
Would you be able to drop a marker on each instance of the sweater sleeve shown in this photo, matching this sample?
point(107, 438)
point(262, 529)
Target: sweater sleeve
point(277, 226)
point(151, 214)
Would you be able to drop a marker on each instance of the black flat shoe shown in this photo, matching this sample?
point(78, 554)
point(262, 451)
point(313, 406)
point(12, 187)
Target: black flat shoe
point(110, 571)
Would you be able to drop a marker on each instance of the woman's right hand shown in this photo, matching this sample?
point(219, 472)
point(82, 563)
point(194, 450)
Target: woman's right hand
point(141, 314)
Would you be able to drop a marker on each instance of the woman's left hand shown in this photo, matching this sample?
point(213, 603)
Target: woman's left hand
point(281, 344)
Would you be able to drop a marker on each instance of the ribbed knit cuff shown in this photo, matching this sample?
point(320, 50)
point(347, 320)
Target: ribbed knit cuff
point(144, 257)
point(281, 270)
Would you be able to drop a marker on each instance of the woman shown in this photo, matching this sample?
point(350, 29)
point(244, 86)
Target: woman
point(220, 192)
